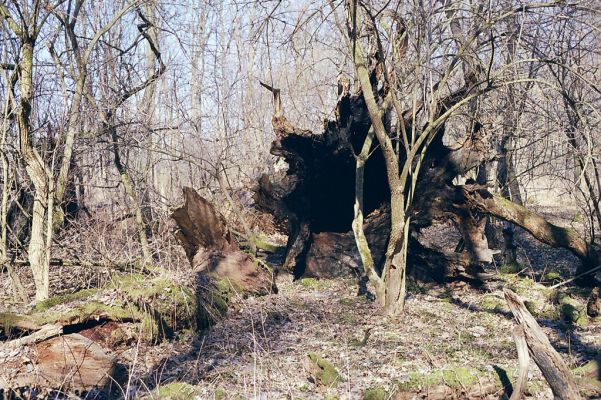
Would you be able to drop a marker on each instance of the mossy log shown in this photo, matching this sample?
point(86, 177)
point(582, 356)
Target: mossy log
point(157, 305)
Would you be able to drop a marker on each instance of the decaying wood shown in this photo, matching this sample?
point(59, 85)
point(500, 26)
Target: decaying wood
point(45, 332)
point(222, 269)
point(71, 362)
point(199, 225)
point(523, 361)
point(315, 197)
point(548, 360)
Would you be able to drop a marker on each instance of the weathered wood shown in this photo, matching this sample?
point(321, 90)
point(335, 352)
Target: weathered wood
point(45, 332)
point(222, 269)
point(199, 225)
point(548, 360)
point(523, 361)
point(67, 363)
point(316, 195)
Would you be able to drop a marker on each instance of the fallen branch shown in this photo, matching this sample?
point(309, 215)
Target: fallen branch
point(523, 360)
point(46, 332)
point(587, 272)
point(554, 370)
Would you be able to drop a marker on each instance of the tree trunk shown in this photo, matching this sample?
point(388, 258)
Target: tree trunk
point(133, 198)
point(39, 252)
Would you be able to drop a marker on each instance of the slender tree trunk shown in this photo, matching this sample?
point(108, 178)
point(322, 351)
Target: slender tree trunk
point(362, 244)
point(18, 290)
point(39, 253)
point(133, 198)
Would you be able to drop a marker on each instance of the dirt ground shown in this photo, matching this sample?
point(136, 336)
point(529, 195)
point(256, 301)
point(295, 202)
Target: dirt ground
point(456, 337)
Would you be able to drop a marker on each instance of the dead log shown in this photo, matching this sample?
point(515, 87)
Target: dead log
point(222, 269)
point(70, 363)
point(45, 332)
point(548, 360)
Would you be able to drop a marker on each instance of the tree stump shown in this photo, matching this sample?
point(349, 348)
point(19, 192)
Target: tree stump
point(222, 269)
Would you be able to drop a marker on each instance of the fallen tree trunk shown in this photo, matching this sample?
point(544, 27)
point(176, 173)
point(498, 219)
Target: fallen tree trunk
point(548, 360)
point(222, 269)
point(493, 204)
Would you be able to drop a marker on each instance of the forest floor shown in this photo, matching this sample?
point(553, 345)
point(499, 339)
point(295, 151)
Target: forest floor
point(453, 341)
point(456, 337)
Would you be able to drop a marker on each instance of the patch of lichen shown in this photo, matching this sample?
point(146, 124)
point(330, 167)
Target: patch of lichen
point(454, 378)
point(63, 299)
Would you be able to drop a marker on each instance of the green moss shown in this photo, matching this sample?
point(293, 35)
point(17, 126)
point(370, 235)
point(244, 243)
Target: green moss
point(494, 304)
point(85, 311)
point(572, 312)
point(212, 300)
point(552, 277)
point(313, 283)
point(176, 391)
point(172, 307)
point(375, 393)
point(324, 372)
point(455, 377)
point(62, 299)
point(531, 306)
point(591, 368)
point(511, 268)
point(263, 243)
point(220, 394)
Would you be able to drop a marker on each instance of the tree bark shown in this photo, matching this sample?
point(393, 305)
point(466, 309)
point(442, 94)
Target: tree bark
point(39, 253)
